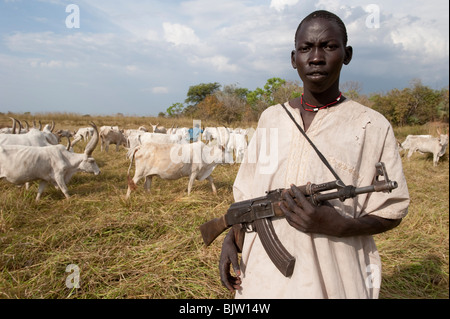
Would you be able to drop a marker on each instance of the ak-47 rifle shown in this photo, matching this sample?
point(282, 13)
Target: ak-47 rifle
point(254, 214)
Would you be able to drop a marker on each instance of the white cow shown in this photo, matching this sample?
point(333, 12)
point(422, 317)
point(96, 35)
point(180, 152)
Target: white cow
point(173, 161)
point(14, 129)
point(237, 144)
point(183, 132)
point(34, 137)
point(158, 128)
point(49, 164)
point(220, 134)
point(139, 138)
point(426, 144)
point(110, 135)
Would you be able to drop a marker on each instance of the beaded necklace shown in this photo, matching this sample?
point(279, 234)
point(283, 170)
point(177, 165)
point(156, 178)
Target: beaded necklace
point(317, 108)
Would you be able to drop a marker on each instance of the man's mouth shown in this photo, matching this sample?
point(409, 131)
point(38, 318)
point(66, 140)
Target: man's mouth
point(317, 73)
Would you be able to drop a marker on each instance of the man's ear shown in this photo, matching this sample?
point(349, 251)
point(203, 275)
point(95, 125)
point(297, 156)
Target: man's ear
point(348, 55)
point(293, 59)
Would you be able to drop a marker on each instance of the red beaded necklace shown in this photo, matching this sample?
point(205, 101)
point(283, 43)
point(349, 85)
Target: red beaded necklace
point(316, 108)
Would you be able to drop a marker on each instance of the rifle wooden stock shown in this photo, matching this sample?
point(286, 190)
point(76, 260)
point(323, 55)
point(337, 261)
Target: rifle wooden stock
point(210, 230)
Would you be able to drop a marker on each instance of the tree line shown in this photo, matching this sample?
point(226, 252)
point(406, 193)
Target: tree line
point(415, 105)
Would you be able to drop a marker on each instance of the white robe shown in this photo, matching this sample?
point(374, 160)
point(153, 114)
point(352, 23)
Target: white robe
point(353, 138)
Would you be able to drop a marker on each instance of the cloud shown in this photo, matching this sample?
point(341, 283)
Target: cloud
point(279, 5)
point(420, 39)
point(160, 90)
point(179, 34)
point(218, 62)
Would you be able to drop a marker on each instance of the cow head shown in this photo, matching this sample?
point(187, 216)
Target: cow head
point(89, 165)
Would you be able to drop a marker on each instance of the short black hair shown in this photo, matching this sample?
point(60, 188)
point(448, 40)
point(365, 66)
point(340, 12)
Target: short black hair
point(327, 16)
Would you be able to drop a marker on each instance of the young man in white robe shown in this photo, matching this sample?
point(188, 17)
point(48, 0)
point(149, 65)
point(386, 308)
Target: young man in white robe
point(332, 244)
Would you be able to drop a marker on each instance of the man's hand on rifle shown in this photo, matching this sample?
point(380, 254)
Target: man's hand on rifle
point(229, 257)
point(324, 219)
point(309, 218)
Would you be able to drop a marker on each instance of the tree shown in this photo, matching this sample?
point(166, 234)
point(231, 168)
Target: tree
point(197, 93)
point(287, 91)
point(351, 89)
point(265, 97)
point(417, 104)
point(175, 110)
point(225, 106)
point(233, 102)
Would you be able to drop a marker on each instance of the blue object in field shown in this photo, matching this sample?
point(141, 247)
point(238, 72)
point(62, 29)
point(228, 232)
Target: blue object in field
point(194, 133)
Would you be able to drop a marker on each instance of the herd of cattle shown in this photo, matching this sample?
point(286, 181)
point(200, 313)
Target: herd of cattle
point(35, 154)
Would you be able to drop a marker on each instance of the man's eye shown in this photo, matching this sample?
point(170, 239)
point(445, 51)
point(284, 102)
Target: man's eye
point(304, 49)
point(331, 47)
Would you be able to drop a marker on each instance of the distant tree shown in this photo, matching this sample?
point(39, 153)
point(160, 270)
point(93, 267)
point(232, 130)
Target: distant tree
point(351, 89)
point(224, 106)
point(199, 92)
point(287, 91)
point(175, 110)
point(262, 98)
point(233, 101)
point(442, 108)
point(415, 105)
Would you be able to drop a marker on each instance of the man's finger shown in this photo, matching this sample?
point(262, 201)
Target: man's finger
point(301, 198)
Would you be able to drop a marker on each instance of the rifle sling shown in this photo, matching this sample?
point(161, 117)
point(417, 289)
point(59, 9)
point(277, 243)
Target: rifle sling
point(324, 160)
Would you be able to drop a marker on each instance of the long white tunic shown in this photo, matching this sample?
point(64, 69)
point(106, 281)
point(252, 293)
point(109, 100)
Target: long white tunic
point(353, 138)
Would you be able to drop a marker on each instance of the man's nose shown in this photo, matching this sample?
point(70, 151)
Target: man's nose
point(317, 56)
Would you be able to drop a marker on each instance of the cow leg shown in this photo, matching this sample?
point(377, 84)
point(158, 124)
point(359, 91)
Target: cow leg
point(148, 183)
point(62, 185)
point(410, 153)
point(191, 182)
point(42, 185)
point(435, 159)
point(210, 179)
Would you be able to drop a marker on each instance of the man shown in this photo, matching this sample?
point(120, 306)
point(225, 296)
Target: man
point(194, 133)
point(335, 252)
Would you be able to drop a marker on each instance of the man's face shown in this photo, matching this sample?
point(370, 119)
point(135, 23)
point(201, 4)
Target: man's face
point(319, 54)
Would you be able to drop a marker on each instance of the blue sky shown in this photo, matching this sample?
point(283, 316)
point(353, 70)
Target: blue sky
point(139, 57)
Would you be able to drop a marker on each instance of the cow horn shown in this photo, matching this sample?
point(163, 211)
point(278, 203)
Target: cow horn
point(13, 126)
point(93, 142)
point(68, 145)
point(28, 125)
point(53, 126)
point(20, 126)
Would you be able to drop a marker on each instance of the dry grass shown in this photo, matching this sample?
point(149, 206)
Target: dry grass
point(150, 245)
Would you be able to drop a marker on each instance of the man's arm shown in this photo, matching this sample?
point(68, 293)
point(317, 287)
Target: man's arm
point(324, 219)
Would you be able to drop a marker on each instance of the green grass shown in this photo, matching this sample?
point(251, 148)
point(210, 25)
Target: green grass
point(150, 245)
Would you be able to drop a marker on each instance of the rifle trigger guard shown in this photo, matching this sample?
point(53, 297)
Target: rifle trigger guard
point(248, 227)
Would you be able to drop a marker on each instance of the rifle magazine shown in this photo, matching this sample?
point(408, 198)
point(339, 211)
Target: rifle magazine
point(277, 253)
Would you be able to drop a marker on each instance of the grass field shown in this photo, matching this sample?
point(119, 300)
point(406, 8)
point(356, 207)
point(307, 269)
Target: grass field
point(150, 245)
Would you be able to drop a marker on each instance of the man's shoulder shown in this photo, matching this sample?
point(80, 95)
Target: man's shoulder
point(271, 111)
point(357, 107)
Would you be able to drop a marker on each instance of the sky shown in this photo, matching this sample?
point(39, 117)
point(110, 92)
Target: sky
point(103, 57)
